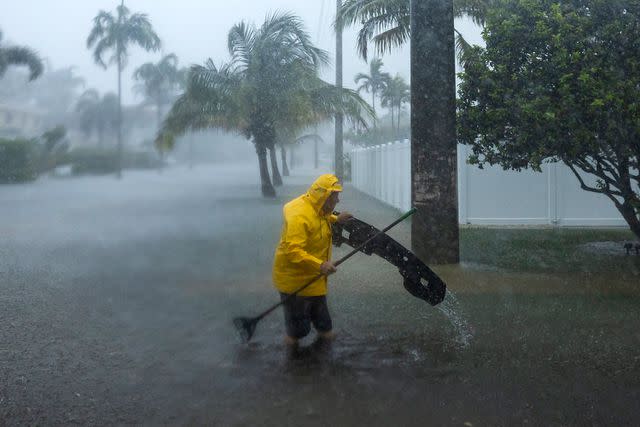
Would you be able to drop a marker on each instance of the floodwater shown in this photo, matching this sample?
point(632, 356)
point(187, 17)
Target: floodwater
point(117, 299)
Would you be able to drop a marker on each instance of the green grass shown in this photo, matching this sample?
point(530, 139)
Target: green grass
point(546, 250)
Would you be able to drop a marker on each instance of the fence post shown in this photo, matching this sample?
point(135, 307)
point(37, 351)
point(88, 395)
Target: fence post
point(552, 189)
point(463, 185)
point(407, 175)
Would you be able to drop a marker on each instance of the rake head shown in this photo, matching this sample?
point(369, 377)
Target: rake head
point(245, 327)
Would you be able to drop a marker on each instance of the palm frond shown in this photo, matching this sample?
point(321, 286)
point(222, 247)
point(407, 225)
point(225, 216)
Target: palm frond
point(375, 16)
point(386, 23)
point(115, 34)
point(463, 49)
point(309, 137)
point(101, 23)
point(138, 29)
point(329, 100)
point(240, 42)
point(475, 9)
point(21, 56)
point(394, 37)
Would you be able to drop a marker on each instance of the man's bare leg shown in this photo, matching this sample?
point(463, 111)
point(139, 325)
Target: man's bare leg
point(290, 341)
point(329, 335)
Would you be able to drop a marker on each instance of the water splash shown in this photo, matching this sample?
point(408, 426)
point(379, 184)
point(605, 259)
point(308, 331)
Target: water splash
point(451, 308)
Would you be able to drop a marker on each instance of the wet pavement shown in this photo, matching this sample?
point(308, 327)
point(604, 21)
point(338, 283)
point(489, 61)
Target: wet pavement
point(116, 302)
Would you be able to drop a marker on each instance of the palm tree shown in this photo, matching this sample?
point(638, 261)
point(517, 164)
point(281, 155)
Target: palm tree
point(273, 71)
point(390, 23)
point(386, 23)
point(116, 33)
point(396, 93)
point(159, 82)
point(374, 82)
point(16, 55)
point(97, 114)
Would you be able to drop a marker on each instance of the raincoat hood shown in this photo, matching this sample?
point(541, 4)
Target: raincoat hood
point(321, 189)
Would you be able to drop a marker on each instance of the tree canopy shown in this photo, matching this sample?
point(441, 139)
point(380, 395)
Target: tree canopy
point(158, 82)
point(559, 81)
point(18, 55)
point(374, 82)
point(116, 32)
point(387, 24)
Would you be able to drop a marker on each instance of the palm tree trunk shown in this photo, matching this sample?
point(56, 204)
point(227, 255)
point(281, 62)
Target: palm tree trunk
point(275, 172)
point(339, 136)
point(265, 181)
point(393, 124)
point(119, 170)
point(434, 228)
point(100, 138)
point(191, 151)
point(292, 157)
point(159, 123)
point(283, 156)
point(373, 102)
point(315, 153)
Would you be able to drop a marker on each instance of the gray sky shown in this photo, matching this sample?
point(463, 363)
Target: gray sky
point(193, 29)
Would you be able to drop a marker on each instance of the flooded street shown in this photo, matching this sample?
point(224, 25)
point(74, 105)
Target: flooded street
point(117, 297)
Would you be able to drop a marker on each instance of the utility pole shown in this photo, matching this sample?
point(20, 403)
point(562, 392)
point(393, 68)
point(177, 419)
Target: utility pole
point(434, 227)
point(338, 158)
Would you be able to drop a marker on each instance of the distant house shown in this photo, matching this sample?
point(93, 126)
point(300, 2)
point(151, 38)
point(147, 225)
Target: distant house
point(19, 122)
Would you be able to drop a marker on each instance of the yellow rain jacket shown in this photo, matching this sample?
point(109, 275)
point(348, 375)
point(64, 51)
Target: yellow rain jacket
point(305, 240)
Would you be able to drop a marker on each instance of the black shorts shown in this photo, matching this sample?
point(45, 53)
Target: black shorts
point(300, 312)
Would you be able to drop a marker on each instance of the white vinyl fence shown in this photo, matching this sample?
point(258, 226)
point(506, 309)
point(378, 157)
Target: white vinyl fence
point(491, 195)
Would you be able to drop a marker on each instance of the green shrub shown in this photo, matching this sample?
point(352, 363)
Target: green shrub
point(52, 146)
point(141, 160)
point(17, 160)
point(90, 160)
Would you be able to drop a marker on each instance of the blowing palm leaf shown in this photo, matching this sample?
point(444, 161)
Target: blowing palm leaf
point(387, 24)
point(15, 55)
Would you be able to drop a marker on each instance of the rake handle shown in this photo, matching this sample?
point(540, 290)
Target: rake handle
point(337, 263)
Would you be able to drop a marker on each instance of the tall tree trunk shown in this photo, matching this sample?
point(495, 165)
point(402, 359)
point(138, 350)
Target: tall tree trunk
point(393, 123)
point(119, 167)
point(434, 230)
point(292, 157)
point(629, 207)
point(265, 181)
point(373, 103)
point(275, 172)
point(339, 164)
point(100, 138)
point(316, 155)
point(191, 137)
point(159, 123)
point(630, 214)
point(283, 156)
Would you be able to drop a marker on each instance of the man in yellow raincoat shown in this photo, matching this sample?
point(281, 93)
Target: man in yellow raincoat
point(304, 252)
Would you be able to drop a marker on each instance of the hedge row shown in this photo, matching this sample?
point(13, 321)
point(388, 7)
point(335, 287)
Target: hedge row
point(88, 160)
point(18, 160)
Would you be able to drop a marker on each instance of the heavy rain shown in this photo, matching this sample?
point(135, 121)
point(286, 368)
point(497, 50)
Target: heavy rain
point(349, 212)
